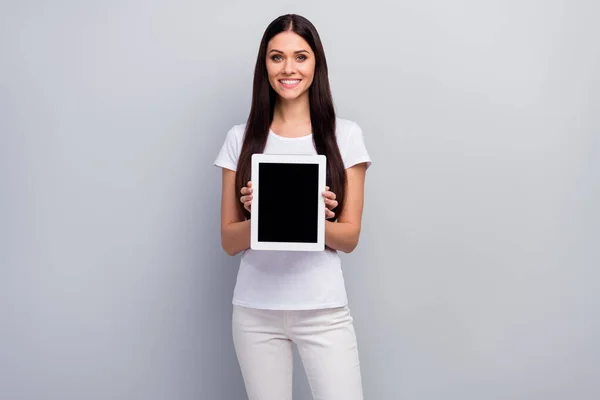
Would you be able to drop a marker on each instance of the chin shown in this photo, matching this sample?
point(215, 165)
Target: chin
point(290, 96)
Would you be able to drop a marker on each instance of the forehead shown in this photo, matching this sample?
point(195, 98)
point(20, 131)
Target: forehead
point(288, 42)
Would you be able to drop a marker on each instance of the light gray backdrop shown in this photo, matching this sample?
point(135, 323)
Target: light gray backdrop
point(477, 273)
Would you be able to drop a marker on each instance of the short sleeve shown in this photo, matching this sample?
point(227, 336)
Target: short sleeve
point(230, 151)
point(356, 151)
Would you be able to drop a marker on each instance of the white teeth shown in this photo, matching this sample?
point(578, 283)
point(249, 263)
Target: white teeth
point(290, 82)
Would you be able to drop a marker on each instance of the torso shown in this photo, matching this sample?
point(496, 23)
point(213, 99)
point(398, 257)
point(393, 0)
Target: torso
point(291, 280)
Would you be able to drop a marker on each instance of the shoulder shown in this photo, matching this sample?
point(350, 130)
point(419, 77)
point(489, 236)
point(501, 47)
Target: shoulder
point(345, 129)
point(231, 148)
point(236, 133)
point(344, 125)
point(234, 138)
point(351, 143)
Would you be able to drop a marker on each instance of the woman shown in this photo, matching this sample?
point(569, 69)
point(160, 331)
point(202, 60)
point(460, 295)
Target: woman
point(284, 297)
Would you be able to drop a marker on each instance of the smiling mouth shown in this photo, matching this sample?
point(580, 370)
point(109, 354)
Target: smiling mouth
point(289, 83)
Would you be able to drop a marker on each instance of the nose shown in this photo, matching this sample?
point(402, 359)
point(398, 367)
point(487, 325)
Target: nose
point(288, 67)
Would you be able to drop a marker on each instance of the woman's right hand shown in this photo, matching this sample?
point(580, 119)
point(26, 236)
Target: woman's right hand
point(246, 198)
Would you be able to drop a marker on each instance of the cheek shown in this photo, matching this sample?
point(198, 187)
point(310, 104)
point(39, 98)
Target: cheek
point(272, 75)
point(272, 69)
point(269, 71)
point(308, 68)
point(308, 71)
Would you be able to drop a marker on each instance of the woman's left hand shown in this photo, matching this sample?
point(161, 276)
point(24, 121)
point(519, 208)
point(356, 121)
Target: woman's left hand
point(330, 203)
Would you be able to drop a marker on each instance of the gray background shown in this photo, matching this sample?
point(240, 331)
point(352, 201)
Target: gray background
point(477, 273)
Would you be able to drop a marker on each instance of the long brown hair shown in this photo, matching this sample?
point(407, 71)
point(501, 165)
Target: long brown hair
point(322, 113)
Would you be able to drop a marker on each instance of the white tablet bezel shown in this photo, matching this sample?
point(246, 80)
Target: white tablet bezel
point(257, 160)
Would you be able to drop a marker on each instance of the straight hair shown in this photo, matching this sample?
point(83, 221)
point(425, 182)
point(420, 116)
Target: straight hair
point(322, 113)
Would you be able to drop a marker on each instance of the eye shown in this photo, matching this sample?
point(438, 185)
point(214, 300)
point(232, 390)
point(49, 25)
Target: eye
point(302, 57)
point(276, 57)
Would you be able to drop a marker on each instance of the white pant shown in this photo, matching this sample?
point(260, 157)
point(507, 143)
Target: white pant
point(326, 343)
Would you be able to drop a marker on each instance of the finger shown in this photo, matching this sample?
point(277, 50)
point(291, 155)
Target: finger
point(329, 214)
point(246, 190)
point(249, 184)
point(247, 205)
point(329, 195)
point(331, 204)
point(245, 199)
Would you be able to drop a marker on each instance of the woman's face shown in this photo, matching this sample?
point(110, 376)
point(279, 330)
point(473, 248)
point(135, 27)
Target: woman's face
point(290, 65)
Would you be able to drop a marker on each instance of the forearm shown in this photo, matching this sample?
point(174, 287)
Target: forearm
point(235, 237)
point(342, 236)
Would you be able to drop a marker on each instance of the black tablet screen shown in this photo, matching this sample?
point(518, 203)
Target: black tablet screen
point(288, 202)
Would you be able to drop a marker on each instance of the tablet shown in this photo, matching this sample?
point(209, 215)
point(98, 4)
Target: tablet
point(288, 209)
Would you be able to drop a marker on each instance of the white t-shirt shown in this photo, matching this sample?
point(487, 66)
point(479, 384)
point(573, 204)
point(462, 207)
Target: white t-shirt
point(292, 280)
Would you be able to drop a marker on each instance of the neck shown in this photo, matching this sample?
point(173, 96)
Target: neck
point(296, 111)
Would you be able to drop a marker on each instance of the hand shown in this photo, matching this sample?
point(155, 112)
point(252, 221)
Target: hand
point(246, 198)
point(330, 203)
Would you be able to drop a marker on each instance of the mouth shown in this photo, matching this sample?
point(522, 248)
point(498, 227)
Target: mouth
point(289, 83)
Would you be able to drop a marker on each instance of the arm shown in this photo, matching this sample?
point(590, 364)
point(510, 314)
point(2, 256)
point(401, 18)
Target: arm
point(343, 235)
point(235, 230)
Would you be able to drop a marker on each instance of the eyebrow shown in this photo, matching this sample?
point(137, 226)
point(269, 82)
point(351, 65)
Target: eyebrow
point(296, 52)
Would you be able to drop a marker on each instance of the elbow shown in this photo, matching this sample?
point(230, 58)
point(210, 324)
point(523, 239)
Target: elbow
point(351, 244)
point(229, 250)
point(349, 248)
point(226, 245)
point(233, 241)
point(342, 236)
